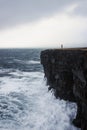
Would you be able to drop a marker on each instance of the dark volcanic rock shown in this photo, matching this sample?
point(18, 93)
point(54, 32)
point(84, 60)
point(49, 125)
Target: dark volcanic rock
point(66, 73)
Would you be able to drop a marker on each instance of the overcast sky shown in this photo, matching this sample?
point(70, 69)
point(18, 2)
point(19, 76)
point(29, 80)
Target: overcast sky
point(43, 23)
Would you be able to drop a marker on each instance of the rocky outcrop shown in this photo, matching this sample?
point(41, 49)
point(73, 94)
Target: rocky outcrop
point(66, 73)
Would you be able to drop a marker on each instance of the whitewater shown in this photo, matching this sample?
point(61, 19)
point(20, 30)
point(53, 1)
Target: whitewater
point(26, 103)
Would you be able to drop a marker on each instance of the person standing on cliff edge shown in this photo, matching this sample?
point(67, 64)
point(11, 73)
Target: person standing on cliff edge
point(61, 46)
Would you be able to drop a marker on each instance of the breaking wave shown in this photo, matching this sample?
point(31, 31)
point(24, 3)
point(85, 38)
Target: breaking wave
point(26, 104)
point(27, 62)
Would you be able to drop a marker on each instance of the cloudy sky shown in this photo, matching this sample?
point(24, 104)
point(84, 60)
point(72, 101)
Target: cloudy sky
point(43, 23)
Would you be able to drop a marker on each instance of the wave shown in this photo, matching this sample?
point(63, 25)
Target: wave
point(26, 104)
point(33, 62)
point(5, 72)
point(12, 110)
point(2, 70)
point(27, 62)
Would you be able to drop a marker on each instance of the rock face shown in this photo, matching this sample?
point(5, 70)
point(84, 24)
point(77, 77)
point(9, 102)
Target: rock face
point(66, 73)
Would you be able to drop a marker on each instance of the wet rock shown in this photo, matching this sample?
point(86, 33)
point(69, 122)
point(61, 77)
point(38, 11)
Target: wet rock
point(66, 73)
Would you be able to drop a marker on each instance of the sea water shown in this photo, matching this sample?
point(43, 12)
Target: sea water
point(25, 102)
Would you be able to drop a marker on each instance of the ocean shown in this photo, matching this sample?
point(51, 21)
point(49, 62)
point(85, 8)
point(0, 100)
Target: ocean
point(25, 102)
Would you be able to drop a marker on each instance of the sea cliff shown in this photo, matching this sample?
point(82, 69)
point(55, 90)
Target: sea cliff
point(66, 73)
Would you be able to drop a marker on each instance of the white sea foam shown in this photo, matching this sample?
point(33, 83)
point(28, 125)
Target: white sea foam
point(2, 70)
point(27, 62)
point(27, 105)
point(33, 62)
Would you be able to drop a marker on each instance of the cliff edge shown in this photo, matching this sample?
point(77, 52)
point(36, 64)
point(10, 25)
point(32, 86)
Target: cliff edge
point(66, 73)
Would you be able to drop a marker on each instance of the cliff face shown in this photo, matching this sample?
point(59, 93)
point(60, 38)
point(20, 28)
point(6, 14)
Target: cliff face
point(66, 73)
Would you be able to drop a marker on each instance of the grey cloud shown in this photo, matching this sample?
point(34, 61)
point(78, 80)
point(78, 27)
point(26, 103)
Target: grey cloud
point(13, 12)
point(81, 8)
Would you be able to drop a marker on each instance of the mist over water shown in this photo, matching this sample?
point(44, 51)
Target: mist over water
point(25, 102)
